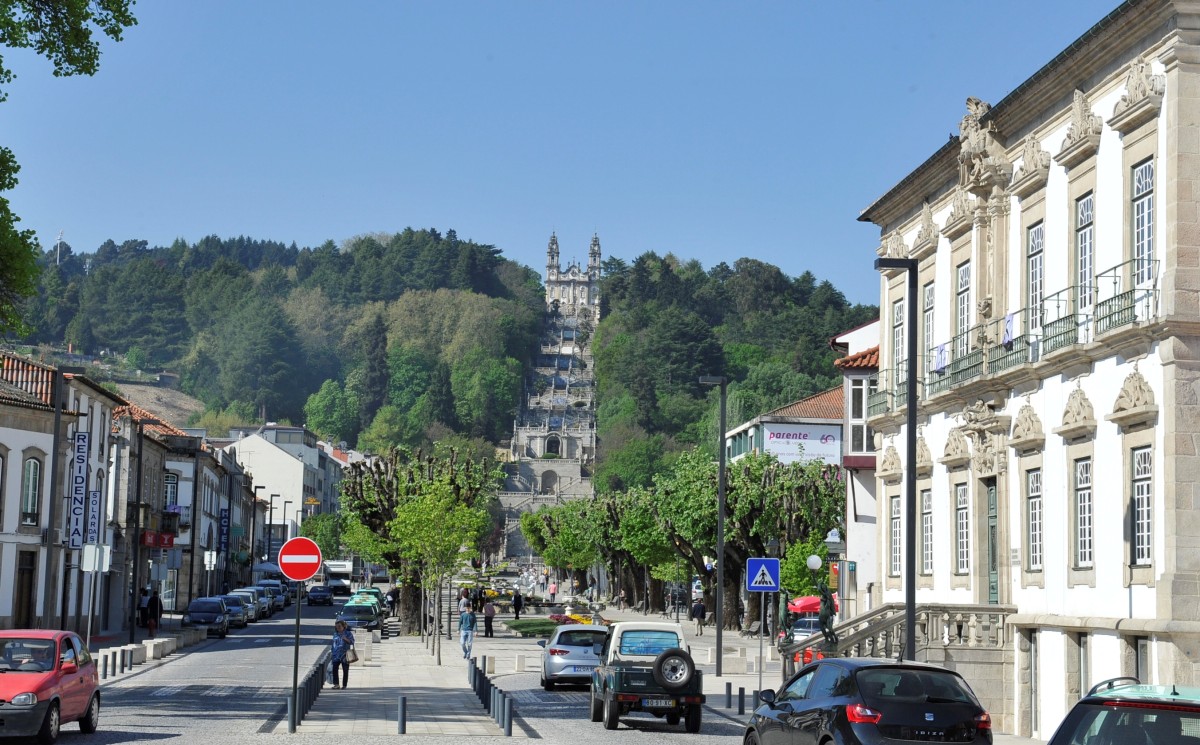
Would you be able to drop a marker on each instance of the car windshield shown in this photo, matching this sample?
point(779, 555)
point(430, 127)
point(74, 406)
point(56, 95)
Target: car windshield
point(204, 606)
point(884, 685)
point(27, 655)
point(233, 600)
point(318, 589)
point(648, 642)
point(1115, 724)
point(358, 610)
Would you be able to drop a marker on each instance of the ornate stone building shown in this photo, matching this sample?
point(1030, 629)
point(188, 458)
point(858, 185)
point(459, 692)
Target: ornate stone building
point(553, 448)
point(1057, 247)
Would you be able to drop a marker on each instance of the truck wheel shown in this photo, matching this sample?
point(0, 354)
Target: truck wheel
point(692, 723)
point(597, 707)
point(674, 669)
point(611, 711)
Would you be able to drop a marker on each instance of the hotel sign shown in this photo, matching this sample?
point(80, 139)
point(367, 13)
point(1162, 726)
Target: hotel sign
point(77, 517)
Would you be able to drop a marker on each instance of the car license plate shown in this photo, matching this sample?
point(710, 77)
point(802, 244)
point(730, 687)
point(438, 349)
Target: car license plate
point(583, 668)
point(658, 703)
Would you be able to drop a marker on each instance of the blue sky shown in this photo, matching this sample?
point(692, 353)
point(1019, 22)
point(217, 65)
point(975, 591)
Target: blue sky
point(711, 130)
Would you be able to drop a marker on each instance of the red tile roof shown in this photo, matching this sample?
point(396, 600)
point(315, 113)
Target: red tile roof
point(33, 378)
point(11, 395)
point(137, 413)
point(868, 359)
point(830, 404)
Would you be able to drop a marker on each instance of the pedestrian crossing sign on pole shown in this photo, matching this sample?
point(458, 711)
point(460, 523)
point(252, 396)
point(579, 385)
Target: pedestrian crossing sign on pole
point(762, 575)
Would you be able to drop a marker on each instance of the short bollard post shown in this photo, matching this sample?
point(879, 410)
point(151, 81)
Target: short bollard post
point(291, 712)
point(471, 675)
point(508, 712)
point(728, 695)
point(104, 668)
point(402, 716)
point(483, 663)
point(754, 698)
point(492, 703)
point(122, 660)
point(741, 700)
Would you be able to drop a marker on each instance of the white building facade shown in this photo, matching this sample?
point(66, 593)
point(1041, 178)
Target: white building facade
point(1057, 247)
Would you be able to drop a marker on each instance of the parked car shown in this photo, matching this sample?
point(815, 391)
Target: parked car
point(279, 588)
point(254, 609)
point(209, 614)
point(372, 592)
point(320, 595)
point(359, 616)
point(645, 666)
point(47, 679)
point(866, 700)
point(277, 600)
point(568, 656)
point(1122, 710)
point(266, 605)
point(239, 612)
point(803, 627)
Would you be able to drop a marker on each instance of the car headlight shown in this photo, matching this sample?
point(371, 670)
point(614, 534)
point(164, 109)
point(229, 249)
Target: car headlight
point(24, 699)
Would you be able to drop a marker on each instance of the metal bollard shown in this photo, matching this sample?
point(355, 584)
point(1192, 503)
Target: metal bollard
point(402, 716)
point(741, 700)
point(122, 652)
point(508, 714)
point(471, 675)
point(753, 699)
point(728, 695)
point(492, 702)
point(291, 715)
point(104, 668)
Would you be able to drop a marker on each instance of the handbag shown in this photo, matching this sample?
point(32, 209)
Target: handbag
point(351, 655)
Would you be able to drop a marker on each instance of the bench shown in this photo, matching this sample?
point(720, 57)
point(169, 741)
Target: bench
point(752, 629)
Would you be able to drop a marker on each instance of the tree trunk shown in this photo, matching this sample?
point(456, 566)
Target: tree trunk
point(732, 609)
point(411, 604)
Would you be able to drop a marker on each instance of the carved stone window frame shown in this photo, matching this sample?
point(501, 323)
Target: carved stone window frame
point(1142, 574)
point(1033, 212)
point(1142, 100)
point(925, 580)
point(1031, 177)
point(961, 217)
point(1138, 147)
point(1025, 464)
point(891, 581)
point(1028, 442)
point(963, 580)
point(1078, 576)
point(1083, 136)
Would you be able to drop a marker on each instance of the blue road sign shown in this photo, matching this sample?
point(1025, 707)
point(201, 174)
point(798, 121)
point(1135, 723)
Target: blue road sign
point(762, 575)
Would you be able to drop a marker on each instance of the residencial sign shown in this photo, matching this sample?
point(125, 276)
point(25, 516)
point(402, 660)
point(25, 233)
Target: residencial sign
point(77, 519)
point(792, 443)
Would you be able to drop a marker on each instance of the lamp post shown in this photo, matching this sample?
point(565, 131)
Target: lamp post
point(719, 606)
point(283, 517)
point(773, 552)
point(135, 544)
point(271, 527)
point(253, 522)
point(909, 266)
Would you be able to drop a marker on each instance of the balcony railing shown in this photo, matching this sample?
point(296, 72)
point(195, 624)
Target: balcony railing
point(1126, 293)
point(1123, 295)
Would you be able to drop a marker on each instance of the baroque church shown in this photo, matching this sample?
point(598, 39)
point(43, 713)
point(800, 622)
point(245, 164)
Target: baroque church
point(553, 447)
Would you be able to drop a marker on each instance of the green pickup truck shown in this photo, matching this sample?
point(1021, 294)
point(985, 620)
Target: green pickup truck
point(646, 667)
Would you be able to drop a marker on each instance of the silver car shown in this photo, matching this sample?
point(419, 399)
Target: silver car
point(567, 657)
point(254, 609)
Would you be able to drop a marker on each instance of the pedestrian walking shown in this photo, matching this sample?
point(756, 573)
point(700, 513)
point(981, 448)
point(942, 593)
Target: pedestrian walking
point(143, 604)
point(518, 605)
point(553, 590)
point(621, 601)
point(154, 611)
point(464, 601)
point(466, 632)
point(343, 654)
point(698, 613)
point(489, 612)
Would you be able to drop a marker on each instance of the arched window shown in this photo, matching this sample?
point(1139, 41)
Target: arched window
point(549, 482)
point(171, 489)
point(553, 446)
point(31, 492)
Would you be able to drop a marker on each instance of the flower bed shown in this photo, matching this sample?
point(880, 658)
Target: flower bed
point(561, 618)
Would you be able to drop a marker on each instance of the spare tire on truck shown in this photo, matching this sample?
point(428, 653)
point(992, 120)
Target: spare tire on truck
point(673, 669)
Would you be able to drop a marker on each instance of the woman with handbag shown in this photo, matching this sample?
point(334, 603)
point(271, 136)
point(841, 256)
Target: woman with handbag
point(343, 653)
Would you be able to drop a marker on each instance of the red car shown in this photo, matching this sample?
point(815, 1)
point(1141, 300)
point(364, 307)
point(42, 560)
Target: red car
point(47, 678)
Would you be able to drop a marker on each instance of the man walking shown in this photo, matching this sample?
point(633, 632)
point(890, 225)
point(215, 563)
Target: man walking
point(518, 604)
point(489, 612)
point(698, 613)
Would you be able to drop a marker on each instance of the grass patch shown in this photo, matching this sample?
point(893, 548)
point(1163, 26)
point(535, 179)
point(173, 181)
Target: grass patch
point(532, 626)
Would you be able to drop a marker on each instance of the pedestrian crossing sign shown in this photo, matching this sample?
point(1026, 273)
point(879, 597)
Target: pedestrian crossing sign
point(762, 575)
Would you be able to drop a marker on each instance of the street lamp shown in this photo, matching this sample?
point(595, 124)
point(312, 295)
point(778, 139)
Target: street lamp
point(271, 527)
point(773, 552)
point(909, 266)
point(253, 522)
point(718, 608)
point(137, 530)
point(283, 516)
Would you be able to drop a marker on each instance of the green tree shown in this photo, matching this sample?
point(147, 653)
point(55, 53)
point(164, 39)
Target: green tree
point(332, 412)
point(375, 371)
point(326, 531)
point(259, 361)
point(63, 33)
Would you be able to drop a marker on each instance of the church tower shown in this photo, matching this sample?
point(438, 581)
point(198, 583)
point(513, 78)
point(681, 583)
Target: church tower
point(553, 449)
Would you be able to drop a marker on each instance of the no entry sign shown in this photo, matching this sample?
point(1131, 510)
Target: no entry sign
point(300, 559)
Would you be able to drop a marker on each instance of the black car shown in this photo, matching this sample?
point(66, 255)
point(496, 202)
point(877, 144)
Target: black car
point(359, 616)
point(870, 701)
point(1122, 710)
point(320, 595)
point(209, 614)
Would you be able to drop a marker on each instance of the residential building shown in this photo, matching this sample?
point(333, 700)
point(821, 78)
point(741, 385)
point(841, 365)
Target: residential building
point(1055, 242)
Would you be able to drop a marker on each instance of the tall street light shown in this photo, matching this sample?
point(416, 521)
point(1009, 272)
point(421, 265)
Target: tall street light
point(283, 516)
point(271, 527)
point(137, 530)
point(909, 267)
point(719, 609)
point(253, 521)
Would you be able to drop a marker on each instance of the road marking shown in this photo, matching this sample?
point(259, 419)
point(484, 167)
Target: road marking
point(220, 690)
point(168, 690)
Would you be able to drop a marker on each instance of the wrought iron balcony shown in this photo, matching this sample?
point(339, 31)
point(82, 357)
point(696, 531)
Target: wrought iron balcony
point(1126, 293)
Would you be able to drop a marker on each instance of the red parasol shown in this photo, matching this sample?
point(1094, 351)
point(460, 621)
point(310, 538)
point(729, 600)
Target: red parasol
point(809, 604)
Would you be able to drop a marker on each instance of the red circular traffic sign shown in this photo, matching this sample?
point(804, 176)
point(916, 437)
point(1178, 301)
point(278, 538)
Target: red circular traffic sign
point(299, 559)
